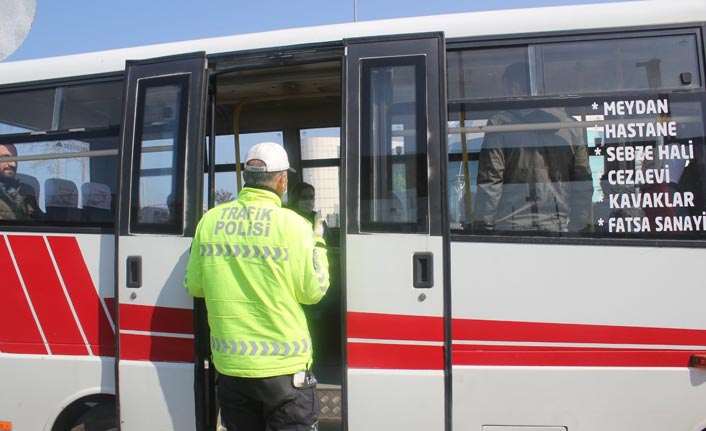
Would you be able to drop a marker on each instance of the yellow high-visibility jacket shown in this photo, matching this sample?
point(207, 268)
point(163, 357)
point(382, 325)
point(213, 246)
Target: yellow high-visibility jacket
point(255, 263)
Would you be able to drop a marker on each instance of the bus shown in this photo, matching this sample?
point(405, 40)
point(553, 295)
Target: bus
point(516, 202)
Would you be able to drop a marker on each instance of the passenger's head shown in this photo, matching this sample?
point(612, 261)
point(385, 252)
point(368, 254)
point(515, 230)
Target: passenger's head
point(516, 80)
point(7, 169)
point(302, 197)
point(266, 164)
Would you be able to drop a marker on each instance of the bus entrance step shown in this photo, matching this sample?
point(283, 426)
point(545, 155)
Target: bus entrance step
point(329, 402)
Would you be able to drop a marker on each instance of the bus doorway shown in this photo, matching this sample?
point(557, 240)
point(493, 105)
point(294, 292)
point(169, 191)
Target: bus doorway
point(293, 99)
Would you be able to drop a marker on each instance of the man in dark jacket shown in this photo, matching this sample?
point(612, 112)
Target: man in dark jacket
point(13, 202)
point(534, 174)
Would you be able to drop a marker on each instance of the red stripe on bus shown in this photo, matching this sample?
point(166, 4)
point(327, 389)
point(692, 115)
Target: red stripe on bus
point(84, 295)
point(47, 296)
point(136, 347)
point(558, 357)
point(395, 327)
point(492, 330)
point(156, 319)
point(18, 329)
point(395, 356)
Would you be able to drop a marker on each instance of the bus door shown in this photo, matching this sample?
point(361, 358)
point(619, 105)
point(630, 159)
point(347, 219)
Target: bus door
point(394, 249)
point(160, 205)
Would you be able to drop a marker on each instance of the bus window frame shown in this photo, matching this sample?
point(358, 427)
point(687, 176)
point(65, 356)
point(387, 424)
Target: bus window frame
point(696, 29)
point(422, 225)
point(175, 226)
point(113, 131)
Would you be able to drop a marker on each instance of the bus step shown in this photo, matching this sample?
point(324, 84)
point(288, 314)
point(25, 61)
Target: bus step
point(329, 401)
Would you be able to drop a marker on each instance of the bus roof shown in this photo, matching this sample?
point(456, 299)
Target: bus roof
point(473, 24)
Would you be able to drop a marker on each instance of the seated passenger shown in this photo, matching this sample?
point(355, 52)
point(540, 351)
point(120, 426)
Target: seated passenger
point(14, 201)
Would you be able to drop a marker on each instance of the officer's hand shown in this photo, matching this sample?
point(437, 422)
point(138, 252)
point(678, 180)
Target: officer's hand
point(319, 227)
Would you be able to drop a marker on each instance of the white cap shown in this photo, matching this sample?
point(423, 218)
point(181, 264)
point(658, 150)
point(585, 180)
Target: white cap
point(270, 153)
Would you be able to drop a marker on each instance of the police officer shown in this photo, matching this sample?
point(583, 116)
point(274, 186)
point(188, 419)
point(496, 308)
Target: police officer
point(255, 263)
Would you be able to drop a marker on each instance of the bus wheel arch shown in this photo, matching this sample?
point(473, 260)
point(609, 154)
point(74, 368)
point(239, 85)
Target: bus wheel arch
point(88, 413)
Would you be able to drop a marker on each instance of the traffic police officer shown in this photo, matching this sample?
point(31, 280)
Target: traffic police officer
point(255, 263)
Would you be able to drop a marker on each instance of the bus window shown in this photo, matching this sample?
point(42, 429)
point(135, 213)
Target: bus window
point(478, 74)
point(226, 184)
point(157, 193)
point(71, 178)
point(394, 192)
point(27, 111)
point(320, 160)
point(599, 165)
point(649, 63)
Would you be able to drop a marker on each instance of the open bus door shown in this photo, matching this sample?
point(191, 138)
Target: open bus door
point(159, 207)
point(394, 248)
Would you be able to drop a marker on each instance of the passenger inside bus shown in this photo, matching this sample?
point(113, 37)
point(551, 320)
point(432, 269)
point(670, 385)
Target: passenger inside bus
point(532, 177)
point(302, 199)
point(14, 203)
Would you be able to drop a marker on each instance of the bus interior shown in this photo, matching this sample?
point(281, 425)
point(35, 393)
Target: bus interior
point(293, 99)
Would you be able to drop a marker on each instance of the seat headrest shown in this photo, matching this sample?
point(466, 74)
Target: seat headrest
point(96, 195)
point(60, 193)
point(31, 182)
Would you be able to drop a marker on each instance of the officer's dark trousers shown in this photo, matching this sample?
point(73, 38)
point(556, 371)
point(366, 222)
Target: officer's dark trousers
point(271, 404)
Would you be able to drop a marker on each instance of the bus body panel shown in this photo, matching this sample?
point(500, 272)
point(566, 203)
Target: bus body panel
point(411, 412)
point(611, 339)
point(39, 387)
point(65, 282)
point(161, 396)
point(579, 398)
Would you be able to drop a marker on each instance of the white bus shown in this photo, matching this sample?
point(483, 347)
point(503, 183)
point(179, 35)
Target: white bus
point(516, 203)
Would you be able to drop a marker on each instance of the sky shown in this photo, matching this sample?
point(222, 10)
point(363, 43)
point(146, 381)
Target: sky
point(62, 27)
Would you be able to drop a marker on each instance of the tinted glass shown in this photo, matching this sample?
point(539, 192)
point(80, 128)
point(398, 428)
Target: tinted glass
point(157, 192)
point(646, 63)
point(393, 154)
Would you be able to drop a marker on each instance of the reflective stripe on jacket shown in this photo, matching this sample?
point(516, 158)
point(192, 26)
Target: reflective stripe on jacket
point(255, 263)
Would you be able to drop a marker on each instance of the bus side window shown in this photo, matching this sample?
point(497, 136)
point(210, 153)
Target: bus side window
point(158, 157)
point(522, 162)
point(393, 190)
point(82, 124)
point(320, 160)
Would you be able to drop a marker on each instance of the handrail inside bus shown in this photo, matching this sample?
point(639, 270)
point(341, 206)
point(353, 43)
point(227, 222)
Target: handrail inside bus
point(529, 127)
point(236, 138)
point(94, 153)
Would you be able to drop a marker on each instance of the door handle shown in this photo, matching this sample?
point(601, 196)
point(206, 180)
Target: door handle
point(134, 271)
point(423, 270)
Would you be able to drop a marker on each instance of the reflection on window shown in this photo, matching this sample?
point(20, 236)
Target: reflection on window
point(393, 151)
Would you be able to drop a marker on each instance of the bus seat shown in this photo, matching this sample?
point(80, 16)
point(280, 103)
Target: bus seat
point(154, 215)
point(96, 202)
point(31, 182)
point(61, 200)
